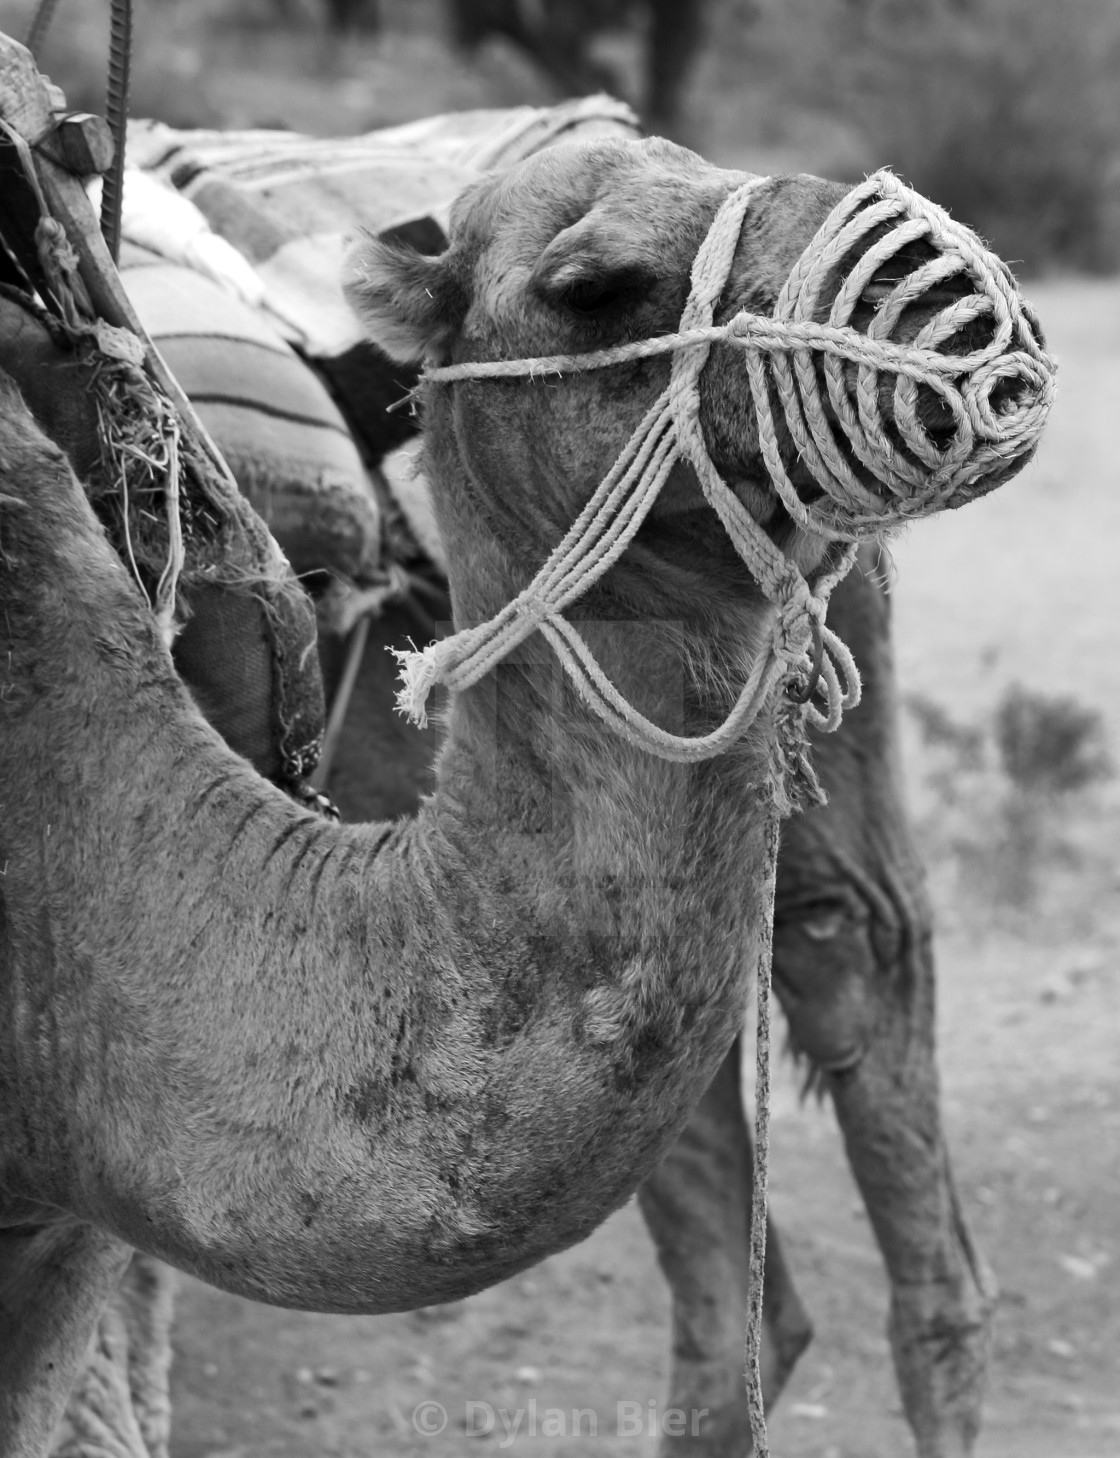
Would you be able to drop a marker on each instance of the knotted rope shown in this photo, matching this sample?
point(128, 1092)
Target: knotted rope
point(993, 400)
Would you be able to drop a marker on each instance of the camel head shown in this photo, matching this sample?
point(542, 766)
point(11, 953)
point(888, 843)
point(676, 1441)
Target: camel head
point(589, 246)
point(579, 248)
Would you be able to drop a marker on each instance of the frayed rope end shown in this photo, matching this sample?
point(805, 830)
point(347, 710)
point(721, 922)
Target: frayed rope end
point(419, 673)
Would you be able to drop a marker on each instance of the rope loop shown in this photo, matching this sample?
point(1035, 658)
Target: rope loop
point(899, 368)
point(801, 693)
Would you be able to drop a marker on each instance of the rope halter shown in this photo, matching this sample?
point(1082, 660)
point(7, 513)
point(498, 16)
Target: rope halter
point(830, 381)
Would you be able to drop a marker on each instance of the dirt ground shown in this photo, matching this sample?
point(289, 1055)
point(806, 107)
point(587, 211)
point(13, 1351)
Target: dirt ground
point(1020, 588)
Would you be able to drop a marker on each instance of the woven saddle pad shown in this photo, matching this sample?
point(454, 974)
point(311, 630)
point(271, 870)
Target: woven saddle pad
point(234, 244)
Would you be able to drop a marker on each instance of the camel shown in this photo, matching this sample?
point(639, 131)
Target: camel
point(556, 35)
point(365, 1068)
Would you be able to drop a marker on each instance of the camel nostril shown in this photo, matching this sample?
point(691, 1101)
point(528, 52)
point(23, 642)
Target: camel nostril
point(935, 415)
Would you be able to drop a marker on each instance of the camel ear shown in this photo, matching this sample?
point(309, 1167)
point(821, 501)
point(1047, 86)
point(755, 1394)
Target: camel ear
point(595, 264)
point(411, 304)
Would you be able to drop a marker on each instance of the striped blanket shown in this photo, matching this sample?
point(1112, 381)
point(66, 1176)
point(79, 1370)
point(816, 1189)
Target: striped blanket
point(234, 248)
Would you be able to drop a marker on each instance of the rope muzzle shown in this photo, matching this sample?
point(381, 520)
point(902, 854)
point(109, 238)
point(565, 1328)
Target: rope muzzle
point(960, 412)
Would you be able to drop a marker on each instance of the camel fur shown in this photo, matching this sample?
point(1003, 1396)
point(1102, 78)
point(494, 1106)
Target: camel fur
point(363, 1068)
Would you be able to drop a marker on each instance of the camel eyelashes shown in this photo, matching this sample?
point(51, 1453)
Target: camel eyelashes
point(820, 920)
point(596, 265)
point(588, 295)
point(598, 293)
point(823, 925)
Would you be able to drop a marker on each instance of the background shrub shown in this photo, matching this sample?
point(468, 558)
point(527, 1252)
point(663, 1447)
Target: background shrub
point(1006, 111)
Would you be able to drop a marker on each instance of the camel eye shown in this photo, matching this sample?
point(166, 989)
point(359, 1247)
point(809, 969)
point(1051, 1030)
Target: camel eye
point(821, 920)
point(823, 925)
point(591, 296)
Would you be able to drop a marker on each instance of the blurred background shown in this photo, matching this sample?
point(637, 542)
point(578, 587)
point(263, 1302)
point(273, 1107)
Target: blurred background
point(1008, 113)
point(1005, 111)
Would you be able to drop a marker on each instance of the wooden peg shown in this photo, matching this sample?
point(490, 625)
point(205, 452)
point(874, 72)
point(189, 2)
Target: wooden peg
point(80, 142)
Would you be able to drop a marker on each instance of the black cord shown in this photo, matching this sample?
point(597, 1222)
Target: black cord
point(116, 112)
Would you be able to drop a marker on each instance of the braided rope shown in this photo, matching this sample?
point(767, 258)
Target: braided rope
point(116, 113)
point(782, 354)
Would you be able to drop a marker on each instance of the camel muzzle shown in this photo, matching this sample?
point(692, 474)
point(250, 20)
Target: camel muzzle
point(913, 376)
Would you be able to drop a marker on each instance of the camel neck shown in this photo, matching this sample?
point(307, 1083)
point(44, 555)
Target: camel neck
point(569, 800)
point(357, 1067)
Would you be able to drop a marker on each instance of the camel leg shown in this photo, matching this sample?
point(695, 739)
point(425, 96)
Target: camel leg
point(697, 1206)
point(676, 30)
point(147, 1300)
point(942, 1293)
point(54, 1281)
point(100, 1420)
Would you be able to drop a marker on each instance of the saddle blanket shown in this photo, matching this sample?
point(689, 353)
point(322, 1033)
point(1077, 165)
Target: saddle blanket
point(233, 251)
